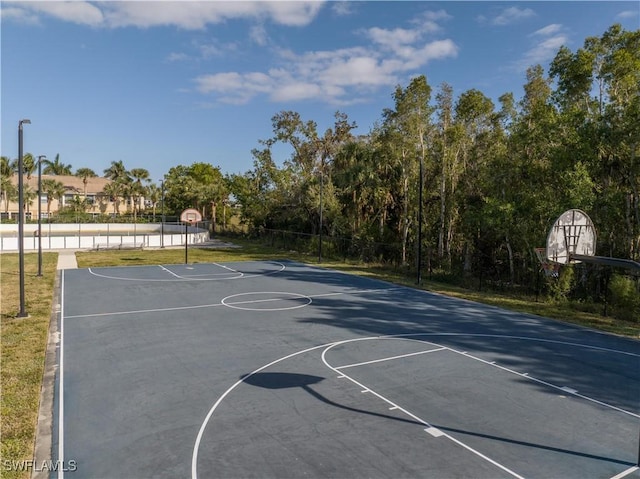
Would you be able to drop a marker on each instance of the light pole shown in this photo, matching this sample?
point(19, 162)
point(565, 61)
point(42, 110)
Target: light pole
point(419, 279)
point(321, 188)
point(162, 224)
point(40, 158)
point(22, 313)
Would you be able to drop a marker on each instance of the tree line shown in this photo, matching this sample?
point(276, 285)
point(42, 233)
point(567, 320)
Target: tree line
point(494, 177)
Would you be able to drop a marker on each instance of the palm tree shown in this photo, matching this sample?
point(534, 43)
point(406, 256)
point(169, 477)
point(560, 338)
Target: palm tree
point(9, 192)
point(28, 195)
point(6, 169)
point(54, 190)
point(114, 191)
point(6, 186)
point(120, 183)
point(28, 165)
point(155, 195)
point(117, 172)
point(138, 175)
point(85, 174)
point(56, 167)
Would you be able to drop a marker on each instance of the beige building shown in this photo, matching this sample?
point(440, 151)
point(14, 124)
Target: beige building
point(97, 202)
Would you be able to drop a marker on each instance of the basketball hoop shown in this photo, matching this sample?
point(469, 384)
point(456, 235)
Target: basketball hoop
point(572, 235)
point(551, 269)
point(191, 216)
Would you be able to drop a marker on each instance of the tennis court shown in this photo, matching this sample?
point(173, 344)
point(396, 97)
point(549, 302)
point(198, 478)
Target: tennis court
point(281, 369)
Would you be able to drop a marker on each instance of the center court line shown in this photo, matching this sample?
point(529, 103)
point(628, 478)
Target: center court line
point(389, 358)
point(212, 305)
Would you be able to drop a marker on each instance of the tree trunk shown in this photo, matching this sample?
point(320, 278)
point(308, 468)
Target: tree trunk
point(511, 266)
point(213, 216)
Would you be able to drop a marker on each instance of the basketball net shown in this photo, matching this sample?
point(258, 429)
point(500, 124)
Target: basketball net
point(551, 269)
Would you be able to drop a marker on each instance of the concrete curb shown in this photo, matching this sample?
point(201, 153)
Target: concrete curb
point(42, 452)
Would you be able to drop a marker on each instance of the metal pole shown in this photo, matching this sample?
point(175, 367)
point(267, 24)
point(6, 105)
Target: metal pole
point(40, 158)
point(186, 244)
point(321, 188)
point(162, 224)
point(419, 279)
point(22, 313)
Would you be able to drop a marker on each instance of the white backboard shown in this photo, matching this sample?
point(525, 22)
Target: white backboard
point(572, 233)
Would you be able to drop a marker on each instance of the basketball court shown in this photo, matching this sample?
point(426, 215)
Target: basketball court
point(280, 369)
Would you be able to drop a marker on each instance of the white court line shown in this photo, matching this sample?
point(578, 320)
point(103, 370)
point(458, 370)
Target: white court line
point(211, 305)
point(140, 311)
point(226, 267)
point(170, 272)
point(61, 386)
point(409, 337)
point(540, 381)
point(411, 415)
point(189, 276)
point(196, 446)
point(242, 275)
point(626, 473)
point(389, 358)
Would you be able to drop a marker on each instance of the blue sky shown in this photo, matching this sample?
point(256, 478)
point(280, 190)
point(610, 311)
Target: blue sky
point(156, 83)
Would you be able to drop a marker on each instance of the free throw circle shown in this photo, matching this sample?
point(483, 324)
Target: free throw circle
point(266, 301)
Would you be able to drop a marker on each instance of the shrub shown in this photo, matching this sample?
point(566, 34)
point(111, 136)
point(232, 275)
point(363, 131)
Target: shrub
point(625, 298)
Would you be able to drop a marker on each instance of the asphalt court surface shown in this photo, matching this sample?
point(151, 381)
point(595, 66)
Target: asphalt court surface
point(280, 369)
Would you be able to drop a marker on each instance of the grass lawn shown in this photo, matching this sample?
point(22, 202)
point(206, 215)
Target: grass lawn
point(24, 339)
point(24, 342)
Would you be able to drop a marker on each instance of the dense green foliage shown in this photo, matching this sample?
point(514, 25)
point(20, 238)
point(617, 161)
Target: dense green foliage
point(495, 177)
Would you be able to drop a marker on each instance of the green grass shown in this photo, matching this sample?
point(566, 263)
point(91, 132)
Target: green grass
point(24, 342)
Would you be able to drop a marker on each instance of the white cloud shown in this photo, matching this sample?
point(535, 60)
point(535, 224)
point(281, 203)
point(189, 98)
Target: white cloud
point(235, 88)
point(296, 91)
point(177, 57)
point(338, 77)
point(392, 38)
point(548, 30)
point(437, 50)
point(83, 13)
point(186, 15)
point(628, 14)
point(19, 15)
point(427, 22)
point(258, 34)
point(355, 71)
point(342, 8)
point(512, 15)
point(292, 13)
point(546, 43)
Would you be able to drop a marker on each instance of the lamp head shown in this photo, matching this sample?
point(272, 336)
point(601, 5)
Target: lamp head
point(26, 121)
